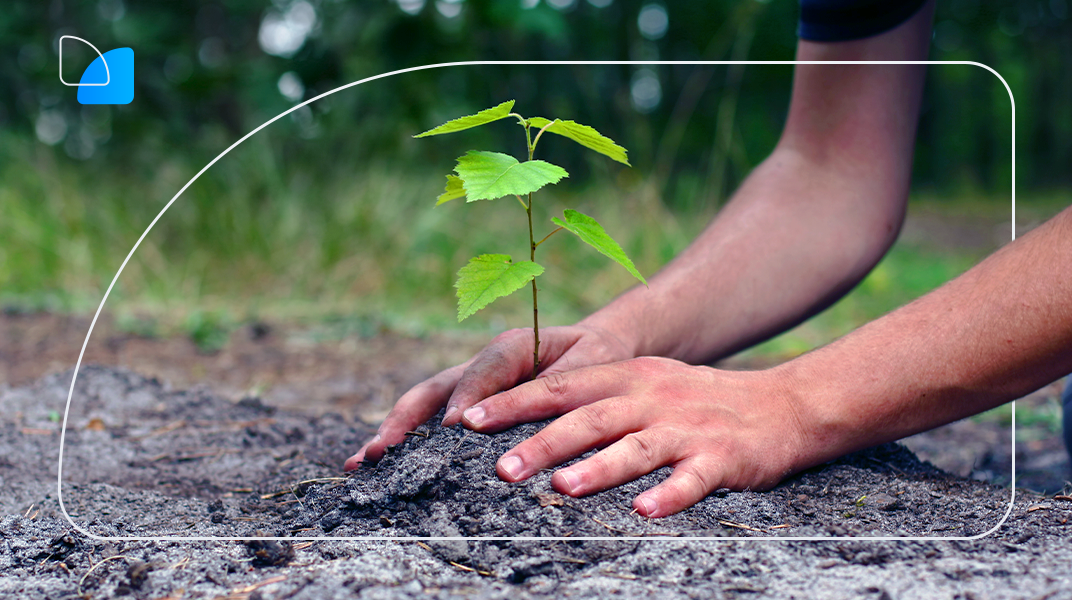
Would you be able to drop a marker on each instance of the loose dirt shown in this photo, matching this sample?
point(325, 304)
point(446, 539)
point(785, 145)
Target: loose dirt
point(144, 459)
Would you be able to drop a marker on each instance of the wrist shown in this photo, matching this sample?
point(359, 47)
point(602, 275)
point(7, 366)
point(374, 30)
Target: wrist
point(619, 328)
point(816, 403)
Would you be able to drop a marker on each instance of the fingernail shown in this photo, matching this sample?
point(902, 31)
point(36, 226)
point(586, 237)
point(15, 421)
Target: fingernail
point(475, 415)
point(374, 439)
point(354, 461)
point(450, 411)
point(572, 481)
point(648, 505)
point(511, 464)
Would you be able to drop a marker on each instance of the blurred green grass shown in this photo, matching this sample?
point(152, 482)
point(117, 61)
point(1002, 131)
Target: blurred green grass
point(261, 237)
point(256, 237)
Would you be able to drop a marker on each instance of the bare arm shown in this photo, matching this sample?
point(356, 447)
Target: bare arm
point(808, 224)
point(996, 333)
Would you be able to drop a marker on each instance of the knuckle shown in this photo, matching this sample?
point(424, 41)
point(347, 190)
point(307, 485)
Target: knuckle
point(555, 385)
point(642, 447)
point(507, 402)
point(594, 418)
point(540, 449)
point(601, 470)
point(695, 483)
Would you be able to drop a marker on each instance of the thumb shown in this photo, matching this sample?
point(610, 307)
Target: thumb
point(577, 357)
point(594, 346)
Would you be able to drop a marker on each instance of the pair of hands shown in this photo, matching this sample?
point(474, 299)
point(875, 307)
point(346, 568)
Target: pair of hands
point(718, 429)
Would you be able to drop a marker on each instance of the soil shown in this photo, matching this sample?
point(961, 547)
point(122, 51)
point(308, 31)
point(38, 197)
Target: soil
point(148, 460)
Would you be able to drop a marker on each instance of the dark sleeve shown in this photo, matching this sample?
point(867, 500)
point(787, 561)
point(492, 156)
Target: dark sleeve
point(843, 20)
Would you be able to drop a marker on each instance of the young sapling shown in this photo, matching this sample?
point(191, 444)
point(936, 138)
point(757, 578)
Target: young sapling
point(483, 175)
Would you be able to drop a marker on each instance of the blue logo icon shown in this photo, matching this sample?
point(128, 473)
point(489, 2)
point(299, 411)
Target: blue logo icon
point(109, 79)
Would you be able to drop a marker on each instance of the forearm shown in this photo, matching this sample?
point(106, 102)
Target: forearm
point(808, 223)
point(795, 238)
point(998, 332)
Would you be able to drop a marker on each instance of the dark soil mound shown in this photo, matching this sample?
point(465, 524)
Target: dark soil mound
point(442, 482)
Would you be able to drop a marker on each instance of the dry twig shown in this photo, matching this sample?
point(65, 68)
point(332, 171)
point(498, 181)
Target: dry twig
point(738, 525)
point(470, 569)
point(172, 426)
point(94, 568)
point(460, 442)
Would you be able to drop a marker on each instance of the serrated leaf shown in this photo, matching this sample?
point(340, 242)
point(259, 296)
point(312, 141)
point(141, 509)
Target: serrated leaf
point(585, 136)
point(491, 175)
point(454, 190)
point(468, 122)
point(488, 277)
point(593, 234)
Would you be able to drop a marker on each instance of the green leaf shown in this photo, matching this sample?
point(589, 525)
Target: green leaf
point(481, 118)
point(593, 234)
point(491, 175)
point(583, 135)
point(488, 277)
point(454, 190)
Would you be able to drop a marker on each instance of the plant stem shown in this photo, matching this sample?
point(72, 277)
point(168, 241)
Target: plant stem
point(535, 309)
point(528, 138)
point(548, 235)
point(538, 134)
point(532, 257)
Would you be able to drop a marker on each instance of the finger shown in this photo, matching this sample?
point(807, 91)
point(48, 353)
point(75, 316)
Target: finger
point(633, 456)
point(497, 367)
point(414, 408)
point(545, 397)
point(691, 481)
point(355, 461)
point(590, 426)
point(501, 365)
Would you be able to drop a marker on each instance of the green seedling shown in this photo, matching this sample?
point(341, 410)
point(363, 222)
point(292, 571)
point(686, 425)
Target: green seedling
point(482, 175)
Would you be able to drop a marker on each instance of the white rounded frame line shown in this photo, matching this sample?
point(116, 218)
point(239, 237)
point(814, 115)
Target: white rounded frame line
point(107, 72)
point(93, 323)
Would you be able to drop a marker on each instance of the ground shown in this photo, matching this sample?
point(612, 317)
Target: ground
point(150, 458)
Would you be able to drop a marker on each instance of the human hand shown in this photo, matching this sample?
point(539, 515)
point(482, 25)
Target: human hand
point(501, 365)
point(741, 430)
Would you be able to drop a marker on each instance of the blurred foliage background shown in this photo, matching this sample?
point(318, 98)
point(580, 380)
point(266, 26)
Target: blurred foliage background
point(329, 210)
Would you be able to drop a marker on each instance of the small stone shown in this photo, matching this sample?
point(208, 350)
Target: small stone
point(269, 553)
point(546, 500)
point(331, 520)
point(138, 573)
